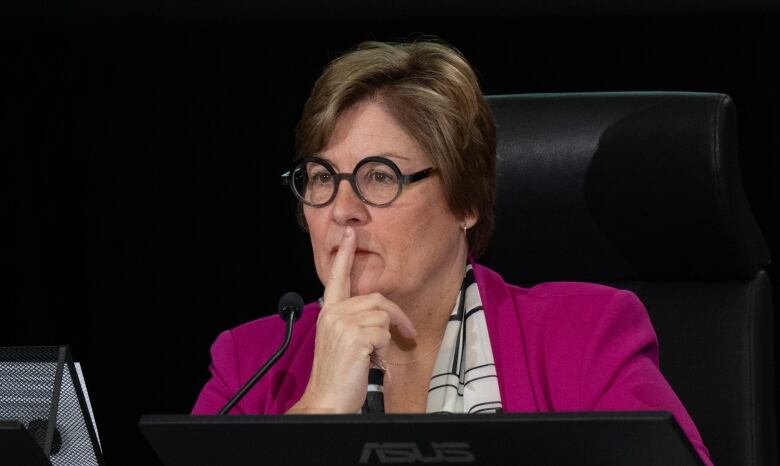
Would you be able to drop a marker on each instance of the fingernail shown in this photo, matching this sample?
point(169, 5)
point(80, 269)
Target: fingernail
point(348, 232)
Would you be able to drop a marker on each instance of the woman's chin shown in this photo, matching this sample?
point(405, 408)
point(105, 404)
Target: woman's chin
point(367, 282)
point(364, 287)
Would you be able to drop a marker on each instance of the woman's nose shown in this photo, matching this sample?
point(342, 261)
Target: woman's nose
point(347, 208)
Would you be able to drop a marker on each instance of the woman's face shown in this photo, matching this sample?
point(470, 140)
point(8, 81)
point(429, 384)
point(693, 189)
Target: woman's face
point(400, 246)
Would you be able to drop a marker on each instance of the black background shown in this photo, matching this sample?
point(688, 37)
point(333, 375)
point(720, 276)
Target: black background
point(142, 143)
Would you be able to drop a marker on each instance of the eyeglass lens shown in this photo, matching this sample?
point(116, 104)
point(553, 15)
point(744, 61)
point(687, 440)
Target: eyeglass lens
point(376, 182)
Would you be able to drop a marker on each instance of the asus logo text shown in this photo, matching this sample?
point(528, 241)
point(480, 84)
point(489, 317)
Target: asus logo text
point(409, 452)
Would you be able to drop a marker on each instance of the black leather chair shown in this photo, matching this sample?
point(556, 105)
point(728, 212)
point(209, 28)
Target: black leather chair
point(642, 191)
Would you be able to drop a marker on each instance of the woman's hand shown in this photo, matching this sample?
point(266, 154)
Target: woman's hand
point(349, 329)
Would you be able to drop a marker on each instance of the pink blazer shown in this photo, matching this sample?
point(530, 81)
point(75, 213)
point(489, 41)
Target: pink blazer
point(558, 346)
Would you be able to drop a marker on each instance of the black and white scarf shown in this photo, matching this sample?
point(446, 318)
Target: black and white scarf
point(464, 377)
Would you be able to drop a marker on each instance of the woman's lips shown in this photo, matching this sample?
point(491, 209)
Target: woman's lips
point(357, 251)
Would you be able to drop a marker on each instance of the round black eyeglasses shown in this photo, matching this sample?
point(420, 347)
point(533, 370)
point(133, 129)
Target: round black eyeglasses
point(377, 181)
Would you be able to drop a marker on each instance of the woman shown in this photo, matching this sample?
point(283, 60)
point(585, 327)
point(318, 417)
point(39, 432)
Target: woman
point(407, 127)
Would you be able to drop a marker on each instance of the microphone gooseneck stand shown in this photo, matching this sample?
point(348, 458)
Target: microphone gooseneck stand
point(290, 310)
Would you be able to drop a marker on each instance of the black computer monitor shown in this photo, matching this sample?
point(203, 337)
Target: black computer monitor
point(597, 438)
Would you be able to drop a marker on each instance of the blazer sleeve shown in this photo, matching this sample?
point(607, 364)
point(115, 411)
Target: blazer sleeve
point(224, 377)
point(620, 369)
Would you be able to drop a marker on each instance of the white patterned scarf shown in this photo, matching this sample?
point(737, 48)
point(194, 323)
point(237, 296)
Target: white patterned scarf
point(464, 377)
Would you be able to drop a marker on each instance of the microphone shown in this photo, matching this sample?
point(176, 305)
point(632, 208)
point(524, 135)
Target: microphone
point(375, 395)
point(290, 306)
point(290, 310)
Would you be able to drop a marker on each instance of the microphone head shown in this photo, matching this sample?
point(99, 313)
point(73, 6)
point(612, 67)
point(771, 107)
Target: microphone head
point(290, 304)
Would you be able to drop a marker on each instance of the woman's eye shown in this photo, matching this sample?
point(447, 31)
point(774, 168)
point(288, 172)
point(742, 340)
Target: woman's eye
point(380, 177)
point(321, 178)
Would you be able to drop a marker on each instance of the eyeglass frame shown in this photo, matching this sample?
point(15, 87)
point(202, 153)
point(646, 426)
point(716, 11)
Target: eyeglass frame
point(403, 180)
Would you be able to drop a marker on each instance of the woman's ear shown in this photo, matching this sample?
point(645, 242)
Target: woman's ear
point(469, 220)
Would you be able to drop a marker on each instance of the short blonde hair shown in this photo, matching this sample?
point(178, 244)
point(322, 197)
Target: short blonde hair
point(434, 95)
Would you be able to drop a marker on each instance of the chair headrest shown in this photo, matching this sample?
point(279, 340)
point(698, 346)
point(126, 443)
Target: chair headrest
point(621, 186)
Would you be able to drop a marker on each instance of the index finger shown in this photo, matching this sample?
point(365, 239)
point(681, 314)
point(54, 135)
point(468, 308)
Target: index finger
point(339, 286)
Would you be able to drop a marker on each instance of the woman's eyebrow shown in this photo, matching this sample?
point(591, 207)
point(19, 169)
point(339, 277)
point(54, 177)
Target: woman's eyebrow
point(392, 155)
point(331, 162)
